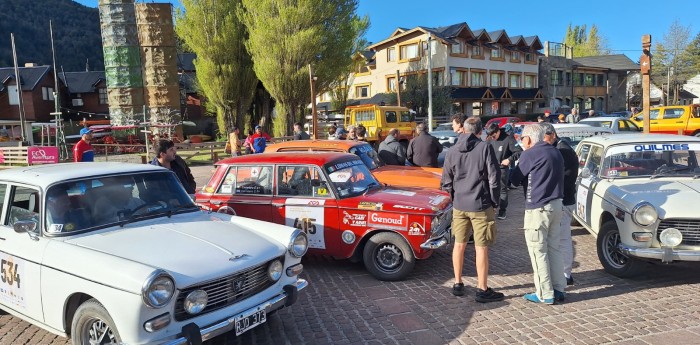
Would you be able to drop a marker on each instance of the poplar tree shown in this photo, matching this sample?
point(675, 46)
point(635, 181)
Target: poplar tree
point(225, 77)
point(585, 43)
point(286, 36)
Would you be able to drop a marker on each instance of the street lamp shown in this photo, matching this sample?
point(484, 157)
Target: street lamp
point(312, 81)
point(430, 83)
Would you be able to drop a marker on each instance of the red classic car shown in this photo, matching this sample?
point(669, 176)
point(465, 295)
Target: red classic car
point(336, 200)
point(501, 121)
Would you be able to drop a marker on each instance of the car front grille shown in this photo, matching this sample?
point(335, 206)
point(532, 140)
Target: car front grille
point(444, 222)
point(225, 291)
point(690, 228)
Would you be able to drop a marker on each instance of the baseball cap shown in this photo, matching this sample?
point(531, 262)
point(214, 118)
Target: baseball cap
point(85, 131)
point(547, 112)
point(256, 127)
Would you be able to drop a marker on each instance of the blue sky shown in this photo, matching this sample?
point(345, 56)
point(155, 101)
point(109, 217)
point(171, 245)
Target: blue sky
point(622, 22)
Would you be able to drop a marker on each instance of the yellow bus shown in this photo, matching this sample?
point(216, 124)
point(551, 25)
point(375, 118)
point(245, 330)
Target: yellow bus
point(379, 119)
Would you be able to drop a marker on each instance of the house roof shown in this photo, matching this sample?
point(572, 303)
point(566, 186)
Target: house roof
point(368, 55)
point(685, 94)
point(526, 94)
point(30, 76)
point(469, 92)
point(81, 82)
point(619, 62)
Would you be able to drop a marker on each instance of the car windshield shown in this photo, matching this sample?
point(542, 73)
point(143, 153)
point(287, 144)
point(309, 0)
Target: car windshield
point(350, 178)
point(367, 155)
point(96, 202)
point(652, 160)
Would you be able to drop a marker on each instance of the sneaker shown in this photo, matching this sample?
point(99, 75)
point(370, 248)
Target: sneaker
point(559, 296)
point(488, 295)
point(570, 280)
point(458, 289)
point(532, 297)
point(501, 216)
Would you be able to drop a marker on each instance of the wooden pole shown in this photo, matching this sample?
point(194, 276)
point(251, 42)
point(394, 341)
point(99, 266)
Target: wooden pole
point(312, 81)
point(18, 82)
point(398, 88)
point(645, 66)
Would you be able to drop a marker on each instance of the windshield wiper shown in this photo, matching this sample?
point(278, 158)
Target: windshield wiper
point(668, 170)
point(169, 212)
point(369, 186)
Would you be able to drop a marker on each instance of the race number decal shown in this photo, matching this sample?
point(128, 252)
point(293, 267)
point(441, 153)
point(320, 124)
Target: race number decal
point(307, 215)
point(11, 270)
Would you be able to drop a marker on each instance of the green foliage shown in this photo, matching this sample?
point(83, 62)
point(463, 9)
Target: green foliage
point(225, 75)
point(585, 43)
point(672, 58)
point(340, 88)
point(286, 36)
point(415, 92)
point(692, 53)
point(76, 33)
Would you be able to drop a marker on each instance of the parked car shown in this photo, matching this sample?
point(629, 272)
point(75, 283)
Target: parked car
point(394, 175)
point(617, 124)
point(625, 114)
point(671, 119)
point(380, 119)
point(574, 133)
point(502, 121)
point(635, 193)
point(445, 135)
point(337, 202)
point(112, 253)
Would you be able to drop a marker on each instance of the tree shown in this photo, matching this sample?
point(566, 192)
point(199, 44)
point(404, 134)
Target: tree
point(340, 88)
point(225, 75)
point(286, 36)
point(692, 54)
point(671, 59)
point(585, 44)
point(415, 91)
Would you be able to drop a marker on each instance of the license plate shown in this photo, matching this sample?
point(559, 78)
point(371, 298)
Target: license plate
point(246, 322)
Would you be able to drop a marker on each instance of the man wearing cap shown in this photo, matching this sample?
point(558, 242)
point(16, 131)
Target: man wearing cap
point(82, 151)
point(548, 118)
point(507, 150)
point(260, 139)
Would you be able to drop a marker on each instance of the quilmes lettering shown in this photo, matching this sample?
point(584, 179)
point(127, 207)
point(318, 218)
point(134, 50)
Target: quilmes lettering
point(661, 147)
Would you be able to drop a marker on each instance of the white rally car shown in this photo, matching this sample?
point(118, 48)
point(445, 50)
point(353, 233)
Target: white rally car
point(111, 253)
point(636, 193)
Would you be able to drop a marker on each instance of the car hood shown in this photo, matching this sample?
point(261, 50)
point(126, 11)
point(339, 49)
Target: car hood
point(405, 176)
point(404, 200)
point(443, 134)
point(668, 196)
point(192, 247)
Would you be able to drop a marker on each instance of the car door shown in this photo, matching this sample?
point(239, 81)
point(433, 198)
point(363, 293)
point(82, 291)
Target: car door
point(626, 127)
point(653, 120)
point(246, 191)
point(21, 254)
point(304, 200)
point(672, 119)
point(590, 159)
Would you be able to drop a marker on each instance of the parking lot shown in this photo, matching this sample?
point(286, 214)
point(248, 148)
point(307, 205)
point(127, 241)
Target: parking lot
point(345, 305)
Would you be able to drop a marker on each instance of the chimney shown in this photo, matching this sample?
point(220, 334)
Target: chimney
point(30, 64)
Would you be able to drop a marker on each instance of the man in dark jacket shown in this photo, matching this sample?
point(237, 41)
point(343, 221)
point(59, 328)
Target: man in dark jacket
point(471, 176)
point(424, 149)
point(299, 133)
point(543, 167)
point(505, 147)
point(570, 174)
point(391, 151)
point(167, 157)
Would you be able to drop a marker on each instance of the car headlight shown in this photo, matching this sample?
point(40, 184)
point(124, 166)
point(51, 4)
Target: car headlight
point(274, 270)
point(196, 301)
point(434, 223)
point(671, 237)
point(644, 214)
point(299, 244)
point(158, 289)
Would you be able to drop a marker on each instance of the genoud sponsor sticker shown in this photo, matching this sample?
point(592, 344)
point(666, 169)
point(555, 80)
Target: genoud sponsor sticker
point(387, 220)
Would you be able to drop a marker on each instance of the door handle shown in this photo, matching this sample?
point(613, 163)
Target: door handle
point(277, 204)
point(216, 202)
point(679, 121)
point(2, 238)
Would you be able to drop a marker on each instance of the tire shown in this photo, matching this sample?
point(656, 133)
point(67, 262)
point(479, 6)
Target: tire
point(613, 261)
point(92, 317)
point(388, 257)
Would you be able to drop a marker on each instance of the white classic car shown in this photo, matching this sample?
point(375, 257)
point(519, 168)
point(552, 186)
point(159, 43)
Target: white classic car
point(636, 194)
point(111, 253)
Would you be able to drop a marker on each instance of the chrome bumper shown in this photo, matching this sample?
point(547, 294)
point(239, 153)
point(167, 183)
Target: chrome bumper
point(287, 298)
point(663, 254)
point(438, 241)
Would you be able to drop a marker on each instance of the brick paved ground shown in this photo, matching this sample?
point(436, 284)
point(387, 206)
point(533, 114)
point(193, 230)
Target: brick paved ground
point(345, 305)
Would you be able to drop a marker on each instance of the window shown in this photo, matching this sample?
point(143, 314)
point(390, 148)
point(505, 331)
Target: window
point(438, 77)
point(24, 205)
point(362, 91)
point(496, 79)
point(390, 116)
point(556, 78)
point(578, 79)
point(247, 180)
point(568, 78)
point(529, 57)
point(600, 79)
point(497, 53)
point(673, 113)
point(590, 79)
point(391, 54)
point(529, 81)
point(364, 116)
point(477, 108)
point(47, 93)
point(583, 155)
point(478, 79)
point(514, 80)
point(391, 84)
point(476, 51)
point(459, 78)
point(457, 48)
point(515, 56)
point(102, 95)
point(409, 51)
point(13, 94)
point(594, 160)
point(301, 180)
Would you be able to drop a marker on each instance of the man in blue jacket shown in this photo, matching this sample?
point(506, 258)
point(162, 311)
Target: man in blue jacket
point(543, 167)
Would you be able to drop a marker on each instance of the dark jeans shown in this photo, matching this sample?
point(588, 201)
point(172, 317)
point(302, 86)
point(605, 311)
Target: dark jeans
point(505, 181)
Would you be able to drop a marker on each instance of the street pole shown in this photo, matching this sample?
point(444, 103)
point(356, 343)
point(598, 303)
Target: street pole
point(668, 85)
point(430, 84)
point(645, 66)
point(398, 88)
point(312, 81)
point(18, 82)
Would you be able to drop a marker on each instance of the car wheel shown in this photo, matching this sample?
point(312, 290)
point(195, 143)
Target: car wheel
point(613, 260)
point(92, 325)
point(388, 257)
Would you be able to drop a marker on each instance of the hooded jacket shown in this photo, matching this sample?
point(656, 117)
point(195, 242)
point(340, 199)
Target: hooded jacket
point(392, 152)
point(423, 150)
point(505, 147)
point(183, 172)
point(570, 171)
point(471, 175)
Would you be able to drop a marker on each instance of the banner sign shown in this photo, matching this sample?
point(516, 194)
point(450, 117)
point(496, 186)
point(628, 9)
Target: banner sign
point(42, 154)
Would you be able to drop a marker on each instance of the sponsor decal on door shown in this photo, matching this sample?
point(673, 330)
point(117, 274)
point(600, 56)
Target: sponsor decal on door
point(387, 220)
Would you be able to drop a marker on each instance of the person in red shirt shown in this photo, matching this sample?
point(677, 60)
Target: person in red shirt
point(259, 147)
point(82, 151)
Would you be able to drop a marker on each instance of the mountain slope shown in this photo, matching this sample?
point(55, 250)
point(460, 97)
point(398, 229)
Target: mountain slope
point(76, 33)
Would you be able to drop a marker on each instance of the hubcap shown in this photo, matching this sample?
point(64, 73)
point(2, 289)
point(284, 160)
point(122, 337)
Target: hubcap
point(388, 257)
point(611, 251)
point(98, 332)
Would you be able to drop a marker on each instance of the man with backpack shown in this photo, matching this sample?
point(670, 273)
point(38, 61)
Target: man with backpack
point(260, 140)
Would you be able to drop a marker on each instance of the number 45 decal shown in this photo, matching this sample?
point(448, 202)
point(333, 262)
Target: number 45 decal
point(9, 273)
point(306, 225)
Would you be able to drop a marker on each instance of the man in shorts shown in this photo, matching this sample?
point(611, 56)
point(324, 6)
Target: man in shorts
point(471, 165)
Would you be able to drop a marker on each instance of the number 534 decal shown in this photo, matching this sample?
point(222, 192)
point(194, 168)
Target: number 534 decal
point(10, 273)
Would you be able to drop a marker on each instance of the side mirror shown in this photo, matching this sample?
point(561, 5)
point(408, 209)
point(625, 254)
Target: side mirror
point(315, 182)
point(27, 226)
point(585, 173)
